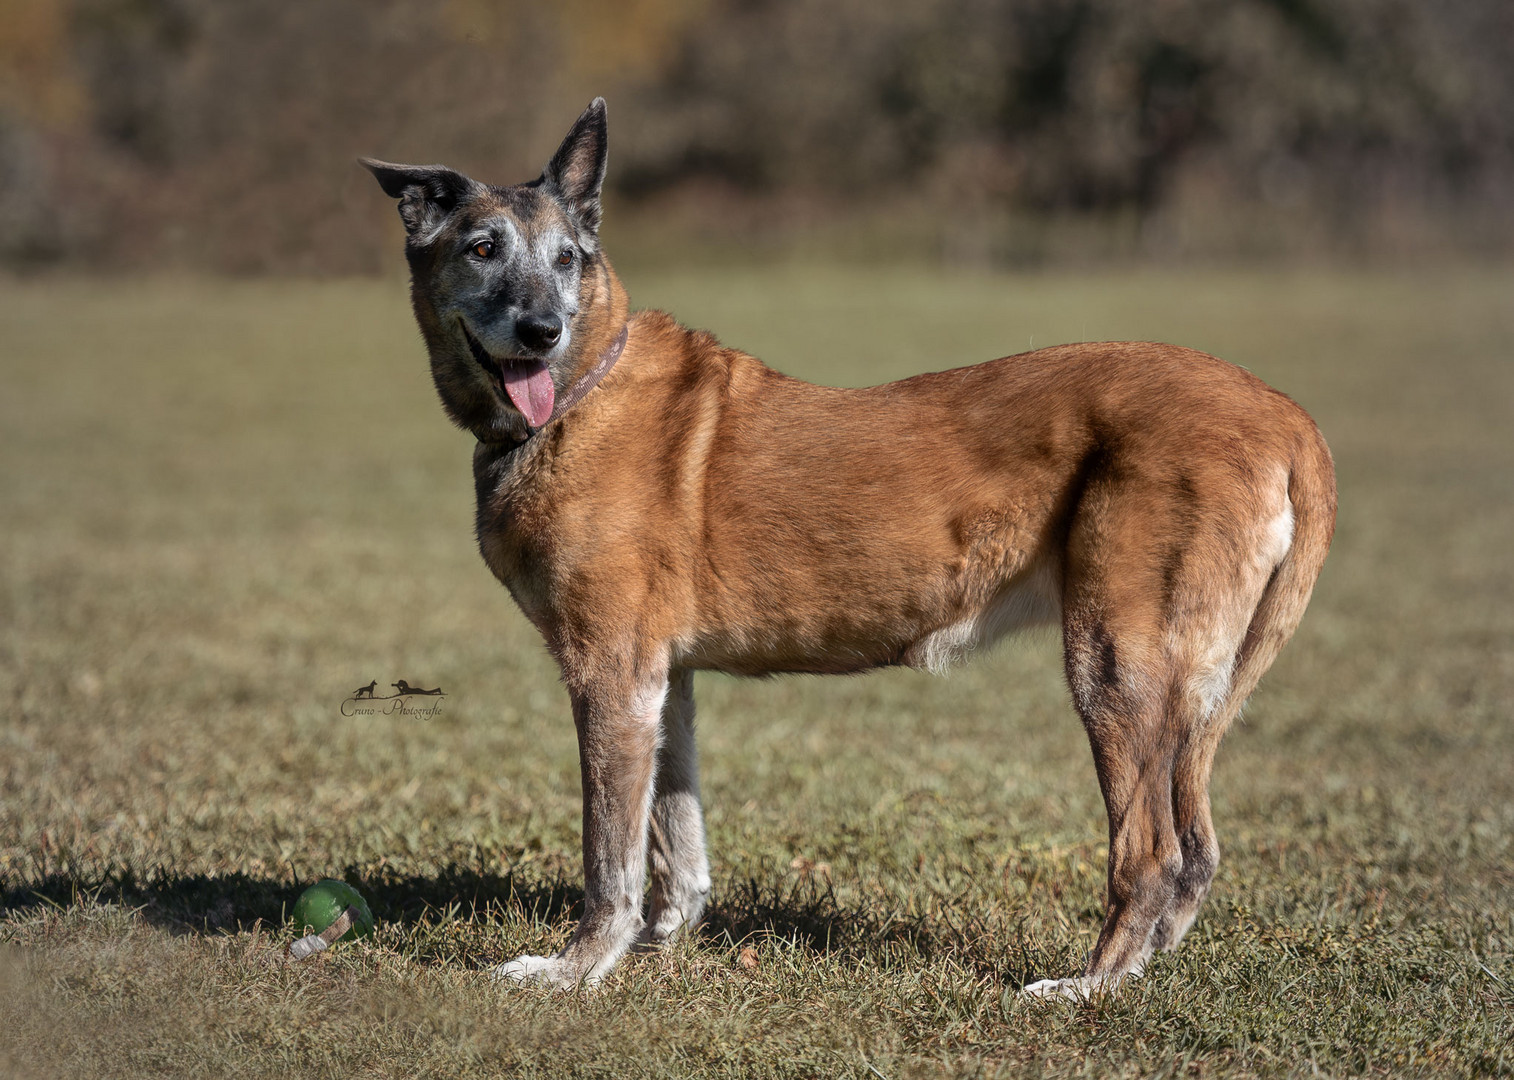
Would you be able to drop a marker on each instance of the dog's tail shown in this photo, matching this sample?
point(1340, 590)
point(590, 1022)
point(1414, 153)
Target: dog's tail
point(1312, 493)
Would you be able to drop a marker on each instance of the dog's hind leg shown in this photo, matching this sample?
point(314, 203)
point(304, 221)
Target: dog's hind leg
point(680, 869)
point(618, 722)
point(1116, 679)
point(1279, 578)
point(1127, 685)
point(1163, 646)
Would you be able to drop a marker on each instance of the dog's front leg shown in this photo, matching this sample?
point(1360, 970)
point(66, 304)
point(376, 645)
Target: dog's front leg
point(680, 868)
point(617, 746)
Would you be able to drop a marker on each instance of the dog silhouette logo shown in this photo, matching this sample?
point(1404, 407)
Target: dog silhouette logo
point(365, 701)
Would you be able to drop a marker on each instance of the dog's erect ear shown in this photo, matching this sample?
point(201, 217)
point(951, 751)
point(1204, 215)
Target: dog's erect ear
point(577, 170)
point(427, 193)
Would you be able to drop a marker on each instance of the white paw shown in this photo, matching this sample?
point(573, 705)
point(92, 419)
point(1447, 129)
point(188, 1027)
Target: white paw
point(671, 923)
point(536, 971)
point(1082, 988)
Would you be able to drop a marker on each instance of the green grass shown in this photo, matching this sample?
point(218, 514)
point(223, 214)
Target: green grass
point(224, 506)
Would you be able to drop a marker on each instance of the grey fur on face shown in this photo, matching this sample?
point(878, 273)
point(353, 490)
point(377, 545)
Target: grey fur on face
point(532, 272)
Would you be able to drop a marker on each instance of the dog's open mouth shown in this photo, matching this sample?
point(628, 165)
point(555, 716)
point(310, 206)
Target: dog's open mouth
point(526, 383)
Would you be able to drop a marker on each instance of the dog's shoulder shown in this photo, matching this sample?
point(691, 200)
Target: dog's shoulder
point(660, 338)
point(682, 360)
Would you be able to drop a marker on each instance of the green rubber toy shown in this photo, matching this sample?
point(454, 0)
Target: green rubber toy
point(320, 905)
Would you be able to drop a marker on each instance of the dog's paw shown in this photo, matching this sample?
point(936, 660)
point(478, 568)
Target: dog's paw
point(549, 971)
point(655, 936)
point(1082, 988)
point(672, 923)
point(1071, 989)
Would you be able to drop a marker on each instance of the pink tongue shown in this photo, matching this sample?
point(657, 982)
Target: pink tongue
point(530, 389)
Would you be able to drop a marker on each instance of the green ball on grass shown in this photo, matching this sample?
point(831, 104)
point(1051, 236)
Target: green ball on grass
point(323, 903)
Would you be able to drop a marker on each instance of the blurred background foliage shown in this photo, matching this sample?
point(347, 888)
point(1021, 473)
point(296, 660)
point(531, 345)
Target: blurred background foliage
point(201, 134)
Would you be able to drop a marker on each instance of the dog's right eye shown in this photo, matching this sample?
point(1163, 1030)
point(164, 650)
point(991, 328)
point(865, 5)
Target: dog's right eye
point(484, 248)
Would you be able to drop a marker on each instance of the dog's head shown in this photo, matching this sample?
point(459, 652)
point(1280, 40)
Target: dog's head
point(510, 286)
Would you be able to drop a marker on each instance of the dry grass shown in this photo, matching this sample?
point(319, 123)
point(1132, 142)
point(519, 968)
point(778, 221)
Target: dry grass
point(223, 506)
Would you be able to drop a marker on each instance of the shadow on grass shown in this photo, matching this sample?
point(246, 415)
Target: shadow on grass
point(200, 903)
point(801, 912)
point(808, 914)
point(805, 912)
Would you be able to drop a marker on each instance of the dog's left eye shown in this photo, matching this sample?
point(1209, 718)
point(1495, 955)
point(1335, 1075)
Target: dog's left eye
point(565, 257)
point(483, 249)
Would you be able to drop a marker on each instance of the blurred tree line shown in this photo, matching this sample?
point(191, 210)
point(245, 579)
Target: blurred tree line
point(220, 133)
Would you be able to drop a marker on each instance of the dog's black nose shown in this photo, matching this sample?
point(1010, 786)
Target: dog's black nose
point(538, 331)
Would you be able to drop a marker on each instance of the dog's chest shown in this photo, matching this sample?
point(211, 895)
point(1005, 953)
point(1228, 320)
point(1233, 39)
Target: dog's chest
point(512, 532)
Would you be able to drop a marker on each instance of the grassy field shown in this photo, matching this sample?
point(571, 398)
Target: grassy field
point(224, 506)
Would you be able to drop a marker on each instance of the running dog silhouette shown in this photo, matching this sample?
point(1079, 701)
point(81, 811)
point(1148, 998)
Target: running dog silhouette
point(405, 688)
point(365, 691)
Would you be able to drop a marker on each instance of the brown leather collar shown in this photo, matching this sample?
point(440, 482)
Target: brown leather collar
point(588, 381)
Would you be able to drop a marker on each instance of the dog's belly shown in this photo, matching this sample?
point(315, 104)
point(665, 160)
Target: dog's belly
point(1030, 601)
point(923, 633)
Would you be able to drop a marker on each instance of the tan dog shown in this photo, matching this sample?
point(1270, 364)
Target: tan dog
point(658, 504)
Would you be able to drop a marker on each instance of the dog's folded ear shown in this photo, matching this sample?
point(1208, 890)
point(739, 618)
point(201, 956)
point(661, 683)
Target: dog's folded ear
point(577, 170)
point(427, 193)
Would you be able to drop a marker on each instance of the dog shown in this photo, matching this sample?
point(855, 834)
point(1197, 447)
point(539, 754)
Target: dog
point(658, 504)
point(365, 691)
